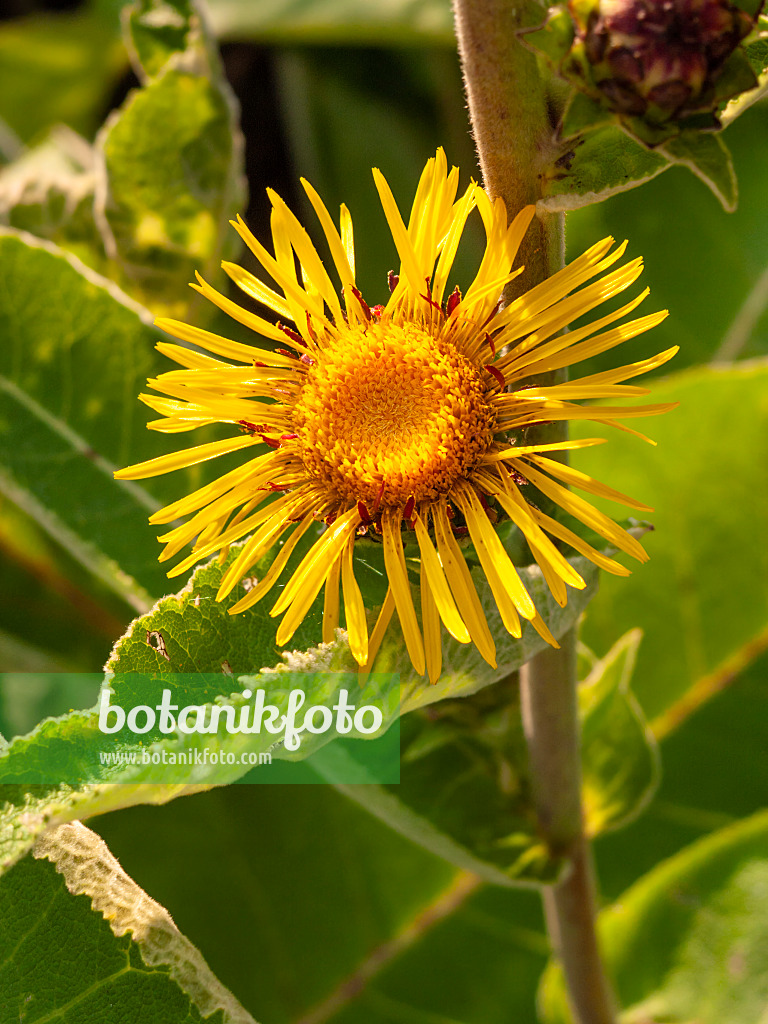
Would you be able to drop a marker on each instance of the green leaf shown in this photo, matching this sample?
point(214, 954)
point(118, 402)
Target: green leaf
point(605, 162)
point(583, 114)
point(130, 962)
point(67, 326)
point(173, 161)
point(555, 37)
point(620, 761)
point(715, 771)
point(193, 633)
point(355, 924)
point(687, 942)
point(709, 159)
point(49, 191)
point(672, 223)
point(700, 599)
point(464, 789)
point(755, 49)
point(334, 21)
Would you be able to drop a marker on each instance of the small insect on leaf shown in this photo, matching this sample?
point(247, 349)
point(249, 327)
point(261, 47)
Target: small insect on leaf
point(156, 642)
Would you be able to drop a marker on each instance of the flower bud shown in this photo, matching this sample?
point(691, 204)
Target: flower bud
point(658, 60)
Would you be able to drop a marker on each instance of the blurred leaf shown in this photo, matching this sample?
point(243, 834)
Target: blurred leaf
point(620, 760)
point(464, 791)
point(129, 962)
point(62, 66)
point(49, 192)
point(50, 604)
point(158, 30)
point(67, 326)
point(334, 21)
point(701, 263)
point(704, 595)
point(173, 161)
point(688, 942)
point(377, 930)
point(715, 771)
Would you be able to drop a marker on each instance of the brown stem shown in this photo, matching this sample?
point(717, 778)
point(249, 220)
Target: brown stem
point(551, 724)
point(569, 912)
point(509, 110)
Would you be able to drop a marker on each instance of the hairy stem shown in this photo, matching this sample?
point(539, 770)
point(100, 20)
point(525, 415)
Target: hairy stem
point(511, 120)
point(512, 126)
point(551, 724)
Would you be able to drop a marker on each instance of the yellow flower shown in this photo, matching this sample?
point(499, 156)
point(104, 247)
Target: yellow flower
point(405, 418)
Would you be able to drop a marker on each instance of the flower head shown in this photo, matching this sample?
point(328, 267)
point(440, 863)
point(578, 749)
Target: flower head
point(402, 421)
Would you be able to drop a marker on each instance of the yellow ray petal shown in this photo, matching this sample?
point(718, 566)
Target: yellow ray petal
point(331, 603)
point(316, 564)
point(576, 478)
point(556, 446)
point(438, 584)
point(187, 356)
point(308, 256)
point(394, 560)
point(382, 622)
point(400, 237)
point(339, 252)
point(312, 580)
point(223, 346)
point(462, 586)
point(494, 559)
point(243, 316)
point(430, 622)
point(252, 286)
point(578, 544)
point(354, 607)
point(582, 510)
point(188, 457)
point(266, 583)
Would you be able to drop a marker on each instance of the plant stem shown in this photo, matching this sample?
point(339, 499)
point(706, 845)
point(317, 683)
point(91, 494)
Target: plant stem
point(510, 115)
point(551, 724)
point(510, 119)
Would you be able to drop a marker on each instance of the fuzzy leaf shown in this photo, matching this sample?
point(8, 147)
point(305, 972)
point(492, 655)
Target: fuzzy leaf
point(226, 653)
point(710, 160)
point(65, 325)
point(605, 162)
point(583, 114)
point(130, 962)
point(173, 160)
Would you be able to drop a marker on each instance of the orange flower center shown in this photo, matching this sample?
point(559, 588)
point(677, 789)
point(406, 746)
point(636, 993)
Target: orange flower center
point(391, 404)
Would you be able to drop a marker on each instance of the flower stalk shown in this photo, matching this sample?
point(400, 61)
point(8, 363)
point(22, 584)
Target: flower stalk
point(510, 115)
